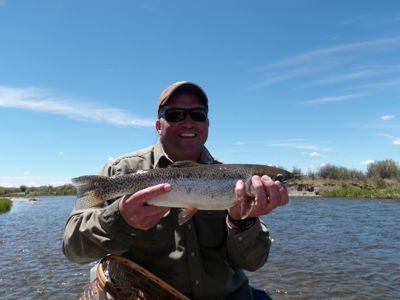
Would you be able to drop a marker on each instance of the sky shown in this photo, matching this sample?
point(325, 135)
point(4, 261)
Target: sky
point(290, 83)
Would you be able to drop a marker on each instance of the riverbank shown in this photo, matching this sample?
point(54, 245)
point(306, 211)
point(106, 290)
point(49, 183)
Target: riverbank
point(344, 189)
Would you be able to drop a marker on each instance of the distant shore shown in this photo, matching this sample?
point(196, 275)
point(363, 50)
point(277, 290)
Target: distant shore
point(342, 189)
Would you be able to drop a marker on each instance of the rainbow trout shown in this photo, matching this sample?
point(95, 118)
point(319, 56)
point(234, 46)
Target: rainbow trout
point(194, 186)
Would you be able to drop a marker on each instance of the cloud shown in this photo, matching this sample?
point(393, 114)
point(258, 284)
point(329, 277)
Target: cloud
point(3, 3)
point(42, 100)
point(394, 140)
point(30, 180)
point(330, 99)
point(316, 61)
point(300, 144)
point(314, 154)
point(387, 117)
point(342, 77)
point(351, 48)
point(376, 86)
point(367, 162)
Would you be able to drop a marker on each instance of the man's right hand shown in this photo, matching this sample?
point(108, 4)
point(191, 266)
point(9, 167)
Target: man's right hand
point(137, 213)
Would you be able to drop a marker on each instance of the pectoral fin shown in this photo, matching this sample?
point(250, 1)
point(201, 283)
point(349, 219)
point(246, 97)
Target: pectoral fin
point(186, 214)
point(246, 207)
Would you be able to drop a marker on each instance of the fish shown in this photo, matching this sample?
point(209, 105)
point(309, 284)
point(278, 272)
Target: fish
point(194, 186)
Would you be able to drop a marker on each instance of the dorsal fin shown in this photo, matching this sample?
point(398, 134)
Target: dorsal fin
point(184, 164)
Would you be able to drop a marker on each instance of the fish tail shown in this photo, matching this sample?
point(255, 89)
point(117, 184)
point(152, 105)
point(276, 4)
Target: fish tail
point(88, 193)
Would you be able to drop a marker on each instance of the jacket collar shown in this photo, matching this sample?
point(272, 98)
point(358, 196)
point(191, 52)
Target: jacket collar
point(161, 159)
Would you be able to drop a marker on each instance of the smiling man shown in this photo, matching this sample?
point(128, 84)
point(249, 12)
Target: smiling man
point(205, 257)
point(183, 123)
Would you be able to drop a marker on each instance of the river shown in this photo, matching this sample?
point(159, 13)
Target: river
point(322, 249)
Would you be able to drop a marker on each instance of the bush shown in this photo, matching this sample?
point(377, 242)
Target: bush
point(384, 169)
point(5, 205)
point(333, 172)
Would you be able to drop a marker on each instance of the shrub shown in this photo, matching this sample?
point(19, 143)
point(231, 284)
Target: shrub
point(333, 172)
point(5, 205)
point(384, 169)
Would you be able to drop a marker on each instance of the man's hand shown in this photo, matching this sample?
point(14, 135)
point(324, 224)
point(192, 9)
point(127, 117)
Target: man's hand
point(268, 194)
point(137, 213)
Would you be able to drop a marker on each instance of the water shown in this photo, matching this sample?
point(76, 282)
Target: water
point(32, 265)
point(322, 249)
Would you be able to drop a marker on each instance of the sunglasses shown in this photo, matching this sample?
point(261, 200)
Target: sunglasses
point(198, 114)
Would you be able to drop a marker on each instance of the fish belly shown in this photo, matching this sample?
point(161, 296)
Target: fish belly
point(201, 194)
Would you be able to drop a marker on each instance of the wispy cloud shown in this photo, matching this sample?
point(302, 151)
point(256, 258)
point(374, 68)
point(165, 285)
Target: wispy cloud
point(387, 117)
point(30, 180)
point(376, 86)
point(311, 149)
point(330, 99)
point(350, 48)
point(367, 162)
point(42, 100)
point(394, 140)
point(314, 153)
point(238, 143)
point(342, 77)
point(316, 61)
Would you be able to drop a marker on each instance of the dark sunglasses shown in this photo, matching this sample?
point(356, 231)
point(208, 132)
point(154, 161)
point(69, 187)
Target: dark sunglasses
point(198, 114)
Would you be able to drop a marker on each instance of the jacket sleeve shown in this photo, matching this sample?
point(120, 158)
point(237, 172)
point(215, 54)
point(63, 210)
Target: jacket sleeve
point(248, 249)
point(93, 233)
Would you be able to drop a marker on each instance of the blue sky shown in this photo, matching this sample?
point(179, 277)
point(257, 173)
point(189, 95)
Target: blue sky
point(291, 83)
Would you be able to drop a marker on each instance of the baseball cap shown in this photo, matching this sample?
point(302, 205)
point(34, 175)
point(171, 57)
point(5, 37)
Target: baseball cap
point(182, 86)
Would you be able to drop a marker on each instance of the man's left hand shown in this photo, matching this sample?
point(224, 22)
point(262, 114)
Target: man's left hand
point(268, 194)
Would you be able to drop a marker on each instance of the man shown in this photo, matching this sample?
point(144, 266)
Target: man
point(204, 257)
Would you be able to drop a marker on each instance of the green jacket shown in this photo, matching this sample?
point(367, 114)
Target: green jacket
point(203, 258)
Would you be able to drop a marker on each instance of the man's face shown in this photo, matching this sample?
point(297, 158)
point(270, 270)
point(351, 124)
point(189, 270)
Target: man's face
point(183, 140)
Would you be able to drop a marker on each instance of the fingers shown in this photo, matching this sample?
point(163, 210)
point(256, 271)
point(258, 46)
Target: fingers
point(260, 193)
point(146, 222)
point(283, 192)
point(149, 193)
point(240, 194)
point(137, 214)
point(268, 195)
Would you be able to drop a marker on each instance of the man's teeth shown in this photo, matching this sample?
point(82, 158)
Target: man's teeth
point(187, 134)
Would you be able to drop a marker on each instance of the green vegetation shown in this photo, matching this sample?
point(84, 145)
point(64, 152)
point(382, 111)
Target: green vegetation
point(5, 205)
point(47, 190)
point(382, 180)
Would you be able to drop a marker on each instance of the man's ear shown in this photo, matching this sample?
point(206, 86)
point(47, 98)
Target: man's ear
point(158, 126)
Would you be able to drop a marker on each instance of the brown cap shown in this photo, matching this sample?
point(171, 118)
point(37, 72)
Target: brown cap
point(184, 86)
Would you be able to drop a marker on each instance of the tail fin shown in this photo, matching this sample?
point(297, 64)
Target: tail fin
point(89, 192)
